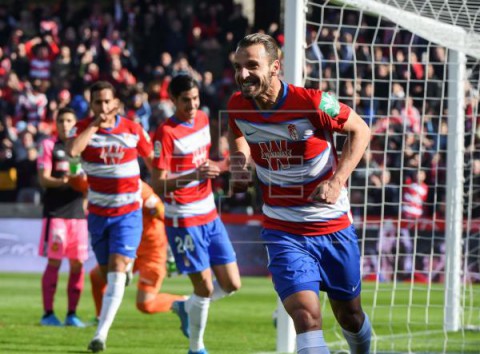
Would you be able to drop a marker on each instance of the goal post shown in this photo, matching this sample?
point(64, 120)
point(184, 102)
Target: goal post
point(411, 69)
point(293, 73)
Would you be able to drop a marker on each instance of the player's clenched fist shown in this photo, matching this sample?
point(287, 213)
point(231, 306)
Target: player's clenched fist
point(208, 170)
point(327, 192)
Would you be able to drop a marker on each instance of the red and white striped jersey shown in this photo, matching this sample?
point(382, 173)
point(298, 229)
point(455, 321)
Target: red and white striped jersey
point(414, 196)
point(293, 151)
point(110, 162)
point(180, 148)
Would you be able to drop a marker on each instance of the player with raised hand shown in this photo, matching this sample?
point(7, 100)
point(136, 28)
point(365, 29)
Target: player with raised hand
point(182, 173)
point(64, 229)
point(109, 146)
point(151, 261)
point(308, 231)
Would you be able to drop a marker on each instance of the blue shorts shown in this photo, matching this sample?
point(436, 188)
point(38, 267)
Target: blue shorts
point(329, 263)
point(197, 248)
point(117, 234)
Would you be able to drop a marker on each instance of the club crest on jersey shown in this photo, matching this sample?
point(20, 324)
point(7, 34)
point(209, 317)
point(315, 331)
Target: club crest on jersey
point(276, 153)
point(329, 104)
point(112, 154)
point(292, 130)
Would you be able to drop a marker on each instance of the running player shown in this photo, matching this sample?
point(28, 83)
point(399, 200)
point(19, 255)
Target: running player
point(109, 146)
point(309, 236)
point(199, 241)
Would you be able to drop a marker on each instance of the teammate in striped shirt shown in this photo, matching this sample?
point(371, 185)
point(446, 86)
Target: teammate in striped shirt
point(182, 172)
point(109, 146)
point(309, 236)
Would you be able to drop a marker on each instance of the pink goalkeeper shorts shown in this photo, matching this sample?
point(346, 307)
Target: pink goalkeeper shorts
point(64, 238)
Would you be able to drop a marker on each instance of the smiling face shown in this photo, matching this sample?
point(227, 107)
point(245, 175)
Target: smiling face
point(187, 103)
point(253, 71)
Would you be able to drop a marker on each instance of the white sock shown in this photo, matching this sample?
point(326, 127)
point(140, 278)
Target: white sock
point(311, 343)
point(359, 343)
point(111, 302)
point(197, 309)
point(218, 292)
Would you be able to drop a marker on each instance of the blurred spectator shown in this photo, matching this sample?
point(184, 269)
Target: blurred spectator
point(41, 53)
point(29, 190)
point(62, 69)
point(8, 175)
point(32, 104)
point(138, 108)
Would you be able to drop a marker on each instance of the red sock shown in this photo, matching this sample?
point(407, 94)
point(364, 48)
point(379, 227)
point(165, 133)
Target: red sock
point(75, 288)
point(49, 287)
point(98, 288)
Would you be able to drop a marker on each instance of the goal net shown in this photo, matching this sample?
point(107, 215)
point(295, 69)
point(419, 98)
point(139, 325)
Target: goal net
point(411, 70)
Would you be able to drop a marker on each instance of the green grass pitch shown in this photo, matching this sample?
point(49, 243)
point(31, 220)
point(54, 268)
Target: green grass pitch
point(238, 324)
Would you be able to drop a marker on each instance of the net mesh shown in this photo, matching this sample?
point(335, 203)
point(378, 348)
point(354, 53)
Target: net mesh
point(398, 82)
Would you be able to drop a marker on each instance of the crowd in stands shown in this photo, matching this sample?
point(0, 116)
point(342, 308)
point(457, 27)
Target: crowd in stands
point(398, 83)
point(49, 55)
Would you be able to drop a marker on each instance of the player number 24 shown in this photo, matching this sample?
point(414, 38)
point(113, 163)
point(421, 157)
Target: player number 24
point(184, 243)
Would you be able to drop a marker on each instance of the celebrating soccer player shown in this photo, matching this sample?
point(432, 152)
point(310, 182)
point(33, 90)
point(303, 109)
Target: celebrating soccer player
point(183, 173)
point(64, 230)
point(309, 236)
point(109, 146)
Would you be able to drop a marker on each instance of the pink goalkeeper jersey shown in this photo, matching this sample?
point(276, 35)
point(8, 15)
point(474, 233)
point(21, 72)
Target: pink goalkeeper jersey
point(110, 162)
point(293, 151)
point(180, 148)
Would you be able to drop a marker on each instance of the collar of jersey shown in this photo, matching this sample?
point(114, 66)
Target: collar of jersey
point(117, 122)
point(267, 114)
point(178, 121)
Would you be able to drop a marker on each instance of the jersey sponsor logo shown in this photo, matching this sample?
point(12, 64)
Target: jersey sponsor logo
point(329, 104)
point(292, 130)
point(276, 153)
point(61, 166)
point(199, 156)
point(112, 154)
point(157, 149)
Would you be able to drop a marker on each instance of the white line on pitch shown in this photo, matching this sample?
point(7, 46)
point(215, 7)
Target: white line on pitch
point(393, 336)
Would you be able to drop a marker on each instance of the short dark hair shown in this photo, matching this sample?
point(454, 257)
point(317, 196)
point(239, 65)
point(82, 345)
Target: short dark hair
point(66, 110)
point(268, 42)
point(182, 83)
point(101, 85)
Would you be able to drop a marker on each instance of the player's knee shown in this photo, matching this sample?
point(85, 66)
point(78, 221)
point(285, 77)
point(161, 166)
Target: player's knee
point(305, 320)
point(232, 286)
point(351, 321)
